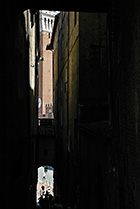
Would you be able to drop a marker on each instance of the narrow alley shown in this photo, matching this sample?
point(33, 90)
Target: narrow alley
point(70, 89)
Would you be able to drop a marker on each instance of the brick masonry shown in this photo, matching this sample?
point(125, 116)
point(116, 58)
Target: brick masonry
point(45, 67)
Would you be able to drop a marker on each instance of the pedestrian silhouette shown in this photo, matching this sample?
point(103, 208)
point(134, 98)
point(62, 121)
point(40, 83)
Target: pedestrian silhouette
point(41, 200)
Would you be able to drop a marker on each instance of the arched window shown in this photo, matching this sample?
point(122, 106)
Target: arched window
point(51, 23)
point(48, 23)
point(45, 22)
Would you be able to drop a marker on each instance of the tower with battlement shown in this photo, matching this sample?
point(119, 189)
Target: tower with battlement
point(45, 94)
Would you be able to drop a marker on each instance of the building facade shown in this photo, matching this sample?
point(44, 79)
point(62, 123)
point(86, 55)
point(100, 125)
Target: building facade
point(96, 106)
point(45, 100)
point(81, 96)
point(19, 124)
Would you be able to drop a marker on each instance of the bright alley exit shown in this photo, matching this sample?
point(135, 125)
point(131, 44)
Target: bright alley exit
point(45, 182)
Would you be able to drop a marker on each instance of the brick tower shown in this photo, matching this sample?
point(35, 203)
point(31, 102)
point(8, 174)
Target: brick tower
point(45, 99)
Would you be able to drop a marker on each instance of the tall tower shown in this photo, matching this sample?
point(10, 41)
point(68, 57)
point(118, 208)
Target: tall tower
point(45, 100)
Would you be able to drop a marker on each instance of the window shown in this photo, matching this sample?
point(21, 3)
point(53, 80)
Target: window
point(45, 22)
point(45, 152)
point(50, 115)
point(95, 55)
point(48, 23)
point(98, 56)
point(51, 23)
